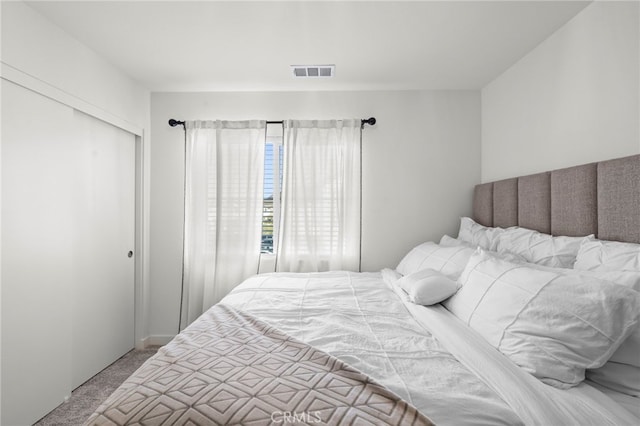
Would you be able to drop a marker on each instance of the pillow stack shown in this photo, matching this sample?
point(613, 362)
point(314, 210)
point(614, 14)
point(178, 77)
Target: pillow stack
point(553, 323)
point(559, 307)
point(539, 248)
point(532, 246)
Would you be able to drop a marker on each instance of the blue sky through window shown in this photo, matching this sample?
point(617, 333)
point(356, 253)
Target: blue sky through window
point(268, 171)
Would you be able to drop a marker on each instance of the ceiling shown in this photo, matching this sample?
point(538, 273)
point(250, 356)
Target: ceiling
point(249, 46)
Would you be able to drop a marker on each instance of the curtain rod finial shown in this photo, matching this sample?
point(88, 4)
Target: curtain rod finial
point(370, 121)
point(174, 123)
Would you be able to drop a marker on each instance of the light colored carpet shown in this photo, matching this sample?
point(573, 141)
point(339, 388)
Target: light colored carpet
point(88, 397)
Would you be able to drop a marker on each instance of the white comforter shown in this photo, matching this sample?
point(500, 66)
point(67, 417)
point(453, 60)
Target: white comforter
point(358, 318)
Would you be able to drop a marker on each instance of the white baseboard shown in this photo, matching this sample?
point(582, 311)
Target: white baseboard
point(156, 341)
point(142, 344)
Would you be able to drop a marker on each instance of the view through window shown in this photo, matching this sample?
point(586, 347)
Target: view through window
point(272, 187)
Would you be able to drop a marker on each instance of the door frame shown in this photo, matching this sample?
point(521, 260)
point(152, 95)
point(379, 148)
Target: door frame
point(142, 192)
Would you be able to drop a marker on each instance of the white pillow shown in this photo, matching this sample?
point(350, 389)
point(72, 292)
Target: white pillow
point(542, 249)
point(608, 255)
point(447, 241)
point(620, 263)
point(448, 260)
point(427, 287)
point(554, 324)
point(478, 235)
point(629, 350)
point(622, 371)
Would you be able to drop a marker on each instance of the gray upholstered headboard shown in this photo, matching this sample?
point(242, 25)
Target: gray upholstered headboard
point(598, 198)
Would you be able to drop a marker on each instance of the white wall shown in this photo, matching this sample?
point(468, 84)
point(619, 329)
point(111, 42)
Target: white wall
point(39, 55)
point(35, 46)
point(572, 100)
point(420, 163)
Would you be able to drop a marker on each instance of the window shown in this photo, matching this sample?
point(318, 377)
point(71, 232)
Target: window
point(317, 226)
point(272, 188)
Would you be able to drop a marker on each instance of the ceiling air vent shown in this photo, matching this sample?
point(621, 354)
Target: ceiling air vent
point(313, 70)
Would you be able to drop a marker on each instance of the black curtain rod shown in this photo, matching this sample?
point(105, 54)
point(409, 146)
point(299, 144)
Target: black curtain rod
point(370, 121)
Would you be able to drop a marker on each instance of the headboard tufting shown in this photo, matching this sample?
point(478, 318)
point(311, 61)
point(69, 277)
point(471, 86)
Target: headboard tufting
point(505, 195)
point(598, 198)
point(483, 204)
point(534, 202)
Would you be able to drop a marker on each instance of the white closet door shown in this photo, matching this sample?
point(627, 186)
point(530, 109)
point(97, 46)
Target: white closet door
point(38, 250)
point(103, 312)
point(68, 219)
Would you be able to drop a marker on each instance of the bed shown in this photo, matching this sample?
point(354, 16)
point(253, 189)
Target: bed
point(529, 316)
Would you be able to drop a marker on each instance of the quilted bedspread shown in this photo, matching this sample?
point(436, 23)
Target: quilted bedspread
point(230, 368)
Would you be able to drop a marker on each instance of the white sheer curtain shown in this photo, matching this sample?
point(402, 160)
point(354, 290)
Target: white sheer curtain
point(224, 172)
point(320, 214)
